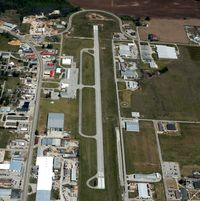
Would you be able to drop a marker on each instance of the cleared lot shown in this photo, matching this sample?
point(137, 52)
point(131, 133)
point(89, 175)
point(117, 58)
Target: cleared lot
point(168, 30)
point(141, 150)
point(174, 94)
point(183, 149)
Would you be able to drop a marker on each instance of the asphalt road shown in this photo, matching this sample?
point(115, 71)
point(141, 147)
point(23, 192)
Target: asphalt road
point(99, 127)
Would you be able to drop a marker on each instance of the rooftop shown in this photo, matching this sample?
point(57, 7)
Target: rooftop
point(55, 120)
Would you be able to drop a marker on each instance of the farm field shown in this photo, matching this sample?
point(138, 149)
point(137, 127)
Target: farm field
point(168, 30)
point(141, 150)
point(156, 8)
point(183, 149)
point(172, 95)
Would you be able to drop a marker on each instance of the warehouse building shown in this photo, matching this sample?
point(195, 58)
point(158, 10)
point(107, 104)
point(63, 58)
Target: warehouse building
point(45, 174)
point(166, 52)
point(55, 122)
point(143, 191)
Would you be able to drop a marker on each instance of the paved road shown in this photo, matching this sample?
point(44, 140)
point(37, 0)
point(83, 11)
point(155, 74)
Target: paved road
point(121, 156)
point(34, 123)
point(35, 114)
point(99, 127)
point(98, 107)
point(161, 159)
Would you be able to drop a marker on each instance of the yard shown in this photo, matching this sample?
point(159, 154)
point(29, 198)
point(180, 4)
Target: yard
point(141, 150)
point(172, 95)
point(5, 137)
point(183, 149)
point(4, 46)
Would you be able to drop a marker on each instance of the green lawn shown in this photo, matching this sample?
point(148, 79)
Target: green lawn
point(173, 95)
point(5, 137)
point(73, 46)
point(12, 83)
point(141, 150)
point(68, 107)
point(88, 69)
point(50, 85)
point(184, 148)
point(88, 112)
point(4, 46)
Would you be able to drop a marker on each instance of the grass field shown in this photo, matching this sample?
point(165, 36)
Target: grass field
point(183, 149)
point(88, 69)
point(173, 95)
point(73, 46)
point(50, 85)
point(5, 137)
point(88, 112)
point(68, 107)
point(141, 150)
point(4, 46)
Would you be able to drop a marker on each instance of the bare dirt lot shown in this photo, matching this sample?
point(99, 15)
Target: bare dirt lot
point(168, 30)
point(153, 8)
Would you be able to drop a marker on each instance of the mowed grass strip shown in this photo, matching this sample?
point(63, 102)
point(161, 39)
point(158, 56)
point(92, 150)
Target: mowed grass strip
point(73, 46)
point(68, 107)
point(141, 150)
point(88, 69)
point(50, 84)
point(88, 111)
point(87, 167)
point(174, 94)
point(183, 149)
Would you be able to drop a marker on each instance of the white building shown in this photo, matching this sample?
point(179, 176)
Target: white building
point(143, 191)
point(166, 52)
point(45, 174)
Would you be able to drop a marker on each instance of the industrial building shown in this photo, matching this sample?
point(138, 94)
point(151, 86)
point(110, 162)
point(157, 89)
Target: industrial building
point(55, 122)
point(143, 191)
point(166, 52)
point(131, 125)
point(45, 174)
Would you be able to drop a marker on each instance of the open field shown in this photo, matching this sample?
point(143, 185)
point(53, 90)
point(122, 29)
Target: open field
point(50, 84)
point(88, 112)
point(183, 149)
point(4, 46)
point(68, 107)
point(157, 8)
point(73, 46)
point(173, 95)
point(88, 69)
point(141, 150)
point(5, 137)
point(168, 30)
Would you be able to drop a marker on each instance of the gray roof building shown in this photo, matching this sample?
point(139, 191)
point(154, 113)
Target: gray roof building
point(132, 126)
point(43, 195)
point(5, 192)
point(56, 121)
